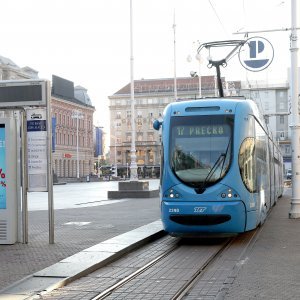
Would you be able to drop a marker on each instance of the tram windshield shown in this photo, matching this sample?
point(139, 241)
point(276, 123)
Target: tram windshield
point(201, 148)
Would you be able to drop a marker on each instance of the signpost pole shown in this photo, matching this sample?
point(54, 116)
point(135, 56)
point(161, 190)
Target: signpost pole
point(24, 177)
point(49, 167)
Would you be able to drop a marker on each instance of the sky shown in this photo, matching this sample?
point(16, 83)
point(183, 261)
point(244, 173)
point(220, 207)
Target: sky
point(88, 41)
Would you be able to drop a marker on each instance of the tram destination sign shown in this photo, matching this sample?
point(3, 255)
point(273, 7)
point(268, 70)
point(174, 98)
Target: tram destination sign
point(198, 131)
point(20, 93)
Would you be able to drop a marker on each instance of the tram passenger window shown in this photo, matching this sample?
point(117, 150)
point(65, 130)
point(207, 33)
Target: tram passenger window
point(247, 164)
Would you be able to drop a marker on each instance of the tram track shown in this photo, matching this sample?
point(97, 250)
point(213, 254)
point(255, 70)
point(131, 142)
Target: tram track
point(108, 291)
point(168, 268)
point(186, 287)
point(182, 291)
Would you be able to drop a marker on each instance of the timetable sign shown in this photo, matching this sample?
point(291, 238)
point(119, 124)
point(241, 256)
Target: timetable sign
point(20, 93)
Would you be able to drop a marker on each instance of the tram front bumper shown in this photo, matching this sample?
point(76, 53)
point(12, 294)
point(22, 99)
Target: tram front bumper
point(180, 218)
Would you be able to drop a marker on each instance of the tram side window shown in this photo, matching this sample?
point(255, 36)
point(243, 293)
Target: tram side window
point(262, 158)
point(247, 163)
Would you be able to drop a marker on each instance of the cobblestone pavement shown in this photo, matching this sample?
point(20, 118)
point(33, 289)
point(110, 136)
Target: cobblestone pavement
point(75, 230)
point(271, 268)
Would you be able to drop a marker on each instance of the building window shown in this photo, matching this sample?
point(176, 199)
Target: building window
point(281, 120)
point(118, 125)
point(129, 124)
point(266, 94)
point(140, 137)
point(118, 115)
point(267, 119)
point(150, 137)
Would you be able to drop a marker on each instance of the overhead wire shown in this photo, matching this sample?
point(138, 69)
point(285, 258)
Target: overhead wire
point(219, 19)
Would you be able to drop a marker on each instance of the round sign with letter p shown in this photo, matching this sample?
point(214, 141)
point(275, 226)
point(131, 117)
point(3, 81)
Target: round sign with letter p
point(256, 54)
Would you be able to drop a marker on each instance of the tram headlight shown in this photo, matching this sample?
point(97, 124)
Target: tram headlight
point(229, 194)
point(172, 194)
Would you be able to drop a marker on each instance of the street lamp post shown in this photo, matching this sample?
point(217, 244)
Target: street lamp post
point(133, 165)
point(199, 58)
point(77, 115)
point(295, 127)
point(194, 74)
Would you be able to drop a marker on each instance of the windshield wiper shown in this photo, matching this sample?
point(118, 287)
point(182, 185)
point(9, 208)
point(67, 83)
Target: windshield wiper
point(200, 189)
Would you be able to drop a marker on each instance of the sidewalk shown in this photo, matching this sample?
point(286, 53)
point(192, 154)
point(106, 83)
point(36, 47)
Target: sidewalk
point(75, 230)
point(271, 268)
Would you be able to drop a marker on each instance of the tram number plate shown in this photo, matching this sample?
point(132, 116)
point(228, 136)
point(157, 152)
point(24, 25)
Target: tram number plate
point(199, 209)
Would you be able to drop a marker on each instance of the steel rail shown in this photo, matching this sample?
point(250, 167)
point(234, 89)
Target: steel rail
point(194, 278)
point(127, 279)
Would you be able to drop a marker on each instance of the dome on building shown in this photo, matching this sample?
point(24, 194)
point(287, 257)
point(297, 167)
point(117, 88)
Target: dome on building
point(80, 94)
point(8, 62)
point(11, 71)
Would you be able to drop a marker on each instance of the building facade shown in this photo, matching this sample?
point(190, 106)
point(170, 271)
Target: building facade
point(72, 112)
point(67, 102)
point(151, 97)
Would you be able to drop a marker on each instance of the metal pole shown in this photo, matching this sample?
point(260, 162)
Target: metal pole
point(198, 57)
point(200, 84)
point(24, 178)
point(295, 127)
point(77, 144)
point(49, 167)
point(116, 168)
point(133, 164)
point(175, 77)
point(216, 90)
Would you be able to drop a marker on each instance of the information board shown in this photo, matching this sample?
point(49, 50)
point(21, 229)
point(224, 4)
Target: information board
point(37, 150)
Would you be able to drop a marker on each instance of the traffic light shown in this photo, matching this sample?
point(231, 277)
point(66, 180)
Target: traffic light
point(113, 171)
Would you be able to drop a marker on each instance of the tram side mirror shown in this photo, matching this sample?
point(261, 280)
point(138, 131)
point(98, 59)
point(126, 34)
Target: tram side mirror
point(157, 124)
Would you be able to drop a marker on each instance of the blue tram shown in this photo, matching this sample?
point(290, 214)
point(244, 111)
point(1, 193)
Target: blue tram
point(221, 171)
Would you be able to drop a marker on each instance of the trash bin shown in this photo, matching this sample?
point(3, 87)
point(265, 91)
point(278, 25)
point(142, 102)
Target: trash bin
point(88, 178)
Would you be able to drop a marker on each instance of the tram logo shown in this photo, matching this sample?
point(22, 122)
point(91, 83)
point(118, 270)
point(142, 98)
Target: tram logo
point(199, 209)
point(256, 54)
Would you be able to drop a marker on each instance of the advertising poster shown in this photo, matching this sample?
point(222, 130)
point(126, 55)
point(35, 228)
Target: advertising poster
point(2, 167)
point(37, 150)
